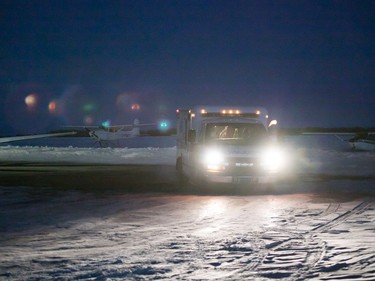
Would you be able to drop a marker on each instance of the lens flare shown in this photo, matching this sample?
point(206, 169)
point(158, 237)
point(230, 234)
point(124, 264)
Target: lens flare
point(135, 107)
point(106, 123)
point(164, 125)
point(88, 107)
point(89, 120)
point(31, 101)
point(52, 107)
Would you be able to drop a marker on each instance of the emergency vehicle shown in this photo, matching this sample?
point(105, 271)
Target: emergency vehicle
point(221, 144)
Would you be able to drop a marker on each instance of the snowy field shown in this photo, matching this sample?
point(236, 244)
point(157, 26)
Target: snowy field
point(323, 228)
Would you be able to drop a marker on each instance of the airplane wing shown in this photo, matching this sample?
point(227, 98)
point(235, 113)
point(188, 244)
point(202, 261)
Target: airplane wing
point(81, 127)
point(109, 127)
point(29, 137)
point(128, 125)
point(336, 134)
point(360, 141)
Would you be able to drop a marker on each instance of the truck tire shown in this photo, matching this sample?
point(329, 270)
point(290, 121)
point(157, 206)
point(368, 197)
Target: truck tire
point(181, 177)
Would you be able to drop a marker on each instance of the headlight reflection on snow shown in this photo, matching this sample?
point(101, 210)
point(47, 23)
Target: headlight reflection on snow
point(210, 216)
point(213, 207)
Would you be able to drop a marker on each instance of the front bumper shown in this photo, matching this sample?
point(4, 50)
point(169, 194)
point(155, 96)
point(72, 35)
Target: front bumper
point(239, 170)
point(241, 180)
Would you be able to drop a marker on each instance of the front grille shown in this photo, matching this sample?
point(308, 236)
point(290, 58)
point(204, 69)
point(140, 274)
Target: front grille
point(243, 167)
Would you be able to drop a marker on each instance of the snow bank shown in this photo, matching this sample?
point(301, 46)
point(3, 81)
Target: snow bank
point(150, 155)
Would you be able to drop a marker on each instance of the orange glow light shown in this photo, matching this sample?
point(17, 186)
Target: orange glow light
point(136, 106)
point(31, 101)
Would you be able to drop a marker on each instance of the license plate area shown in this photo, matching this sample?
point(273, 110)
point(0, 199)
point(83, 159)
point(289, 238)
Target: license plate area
point(245, 180)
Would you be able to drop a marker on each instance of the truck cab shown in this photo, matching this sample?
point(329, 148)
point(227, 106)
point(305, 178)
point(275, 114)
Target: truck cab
point(230, 145)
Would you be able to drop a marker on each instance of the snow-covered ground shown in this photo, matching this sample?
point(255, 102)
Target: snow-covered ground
point(328, 234)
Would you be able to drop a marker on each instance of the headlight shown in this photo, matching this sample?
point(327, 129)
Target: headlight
point(273, 159)
point(214, 160)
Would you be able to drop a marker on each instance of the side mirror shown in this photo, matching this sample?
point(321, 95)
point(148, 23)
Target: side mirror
point(191, 135)
point(272, 123)
point(273, 129)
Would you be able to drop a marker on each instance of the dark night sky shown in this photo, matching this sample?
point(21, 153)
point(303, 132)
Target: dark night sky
point(311, 63)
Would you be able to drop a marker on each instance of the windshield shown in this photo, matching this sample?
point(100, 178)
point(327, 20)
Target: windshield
point(236, 134)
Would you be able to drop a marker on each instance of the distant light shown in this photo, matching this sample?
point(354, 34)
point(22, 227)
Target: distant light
point(106, 123)
point(257, 112)
point(31, 101)
point(52, 107)
point(88, 107)
point(88, 120)
point(164, 125)
point(203, 111)
point(231, 111)
point(136, 106)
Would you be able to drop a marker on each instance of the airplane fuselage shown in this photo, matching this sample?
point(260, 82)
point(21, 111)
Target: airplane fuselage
point(102, 135)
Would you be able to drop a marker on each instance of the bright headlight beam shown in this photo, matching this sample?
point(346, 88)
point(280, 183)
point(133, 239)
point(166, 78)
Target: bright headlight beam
point(213, 160)
point(273, 159)
point(213, 157)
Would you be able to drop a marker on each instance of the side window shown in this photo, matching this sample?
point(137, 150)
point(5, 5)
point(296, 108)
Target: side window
point(211, 133)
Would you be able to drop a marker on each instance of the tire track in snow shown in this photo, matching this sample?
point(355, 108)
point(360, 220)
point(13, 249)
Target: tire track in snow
point(347, 260)
point(288, 250)
point(295, 255)
point(361, 207)
point(277, 254)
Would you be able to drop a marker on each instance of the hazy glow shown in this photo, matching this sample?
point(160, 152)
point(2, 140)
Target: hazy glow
point(88, 107)
point(164, 125)
point(31, 101)
point(106, 123)
point(214, 160)
point(88, 120)
point(136, 106)
point(274, 159)
point(52, 107)
point(214, 207)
